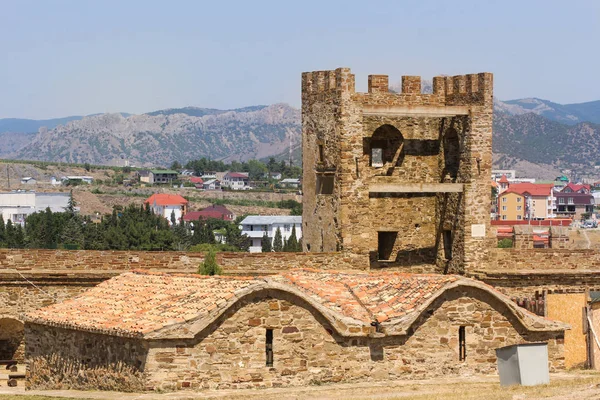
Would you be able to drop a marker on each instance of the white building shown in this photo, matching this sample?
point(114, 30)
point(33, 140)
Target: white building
point(255, 227)
point(235, 180)
point(16, 206)
point(28, 180)
point(78, 178)
point(167, 205)
point(290, 183)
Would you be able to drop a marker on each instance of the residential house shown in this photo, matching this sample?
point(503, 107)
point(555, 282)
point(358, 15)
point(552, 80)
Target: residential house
point(539, 199)
point(290, 183)
point(576, 188)
point(162, 176)
point(207, 175)
point(235, 180)
point(275, 175)
point(168, 204)
point(214, 211)
point(28, 180)
point(211, 184)
point(197, 181)
point(255, 227)
point(511, 206)
point(574, 204)
point(16, 206)
point(186, 172)
point(143, 175)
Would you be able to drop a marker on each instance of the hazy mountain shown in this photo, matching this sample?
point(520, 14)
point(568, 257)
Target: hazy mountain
point(160, 137)
point(566, 113)
point(18, 125)
point(536, 136)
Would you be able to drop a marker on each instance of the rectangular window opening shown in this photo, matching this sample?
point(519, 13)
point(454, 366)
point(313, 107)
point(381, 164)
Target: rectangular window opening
point(385, 245)
point(269, 347)
point(324, 184)
point(321, 154)
point(448, 245)
point(377, 157)
point(462, 344)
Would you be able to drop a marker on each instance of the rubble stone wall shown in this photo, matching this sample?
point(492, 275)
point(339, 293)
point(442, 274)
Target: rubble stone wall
point(67, 359)
point(231, 353)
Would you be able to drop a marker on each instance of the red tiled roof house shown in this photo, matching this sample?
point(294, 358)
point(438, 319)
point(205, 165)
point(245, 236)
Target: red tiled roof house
point(159, 331)
point(167, 205)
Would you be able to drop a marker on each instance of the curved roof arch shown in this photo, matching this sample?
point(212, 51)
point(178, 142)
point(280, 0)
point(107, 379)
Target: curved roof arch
point(168, 306)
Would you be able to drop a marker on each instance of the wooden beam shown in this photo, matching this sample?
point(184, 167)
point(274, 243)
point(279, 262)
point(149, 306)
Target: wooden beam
point(417, 188)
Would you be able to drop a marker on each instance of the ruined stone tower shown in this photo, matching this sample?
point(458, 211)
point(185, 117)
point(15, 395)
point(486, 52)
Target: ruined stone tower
point(401, 179)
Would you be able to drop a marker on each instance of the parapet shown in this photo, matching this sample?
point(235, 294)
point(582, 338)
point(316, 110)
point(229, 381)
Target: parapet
point(447, 90)
point(326, 81)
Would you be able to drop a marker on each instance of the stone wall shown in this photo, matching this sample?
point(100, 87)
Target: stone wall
point(66, 359)
point(231, 352)
point(119, 261)
point(541, 260)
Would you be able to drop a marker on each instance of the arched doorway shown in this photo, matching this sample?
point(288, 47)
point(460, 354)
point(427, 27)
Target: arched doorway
point(11, 339)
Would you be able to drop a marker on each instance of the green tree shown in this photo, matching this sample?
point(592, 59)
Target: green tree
point(267, 247)
point(87, 167)
point(209, 266)
point(10, 235)
point(2, 231)
point(70, 209)
point(173, 219)
point(292, 242)
point(278, 241)
point(176, 166)
point(19, 237)
point(72, 235)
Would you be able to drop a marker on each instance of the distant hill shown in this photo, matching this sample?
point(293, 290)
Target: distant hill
point(18, 125)
point(161, 137)
point(570, 114)
point(538, 137)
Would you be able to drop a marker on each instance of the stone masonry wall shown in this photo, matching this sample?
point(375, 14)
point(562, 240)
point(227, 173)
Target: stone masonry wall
point(231, 353)
point(443, 137)
point(120, 261)
point(542, 260)
point(67, 359)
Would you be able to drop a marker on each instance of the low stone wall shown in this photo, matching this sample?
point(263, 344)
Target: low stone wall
point(66, 359)
point(542, 259)
point(118, 261)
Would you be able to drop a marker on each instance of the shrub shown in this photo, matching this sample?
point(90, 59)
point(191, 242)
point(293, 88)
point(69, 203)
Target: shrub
point(209, 266)
point(505, 244)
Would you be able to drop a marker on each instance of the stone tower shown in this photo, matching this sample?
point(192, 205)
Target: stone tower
point(401, 179)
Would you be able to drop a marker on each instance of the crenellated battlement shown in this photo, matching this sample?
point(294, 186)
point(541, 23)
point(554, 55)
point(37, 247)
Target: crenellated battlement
point(328, 81)
point(447, 90)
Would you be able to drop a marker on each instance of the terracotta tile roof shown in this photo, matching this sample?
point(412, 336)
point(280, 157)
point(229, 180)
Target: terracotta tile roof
point(534, 189)
point(196, 179)
point(163, 199)
point(503, 179)
point(237, 175)
point(215, 211)
point(575, 187)
point(160, 306)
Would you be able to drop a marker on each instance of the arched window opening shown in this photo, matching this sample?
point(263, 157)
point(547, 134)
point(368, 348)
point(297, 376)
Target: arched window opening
point(451, 153)
point(385, 147)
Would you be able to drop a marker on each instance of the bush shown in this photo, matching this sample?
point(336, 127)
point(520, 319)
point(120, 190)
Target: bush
point(505, 244)
point(209, 266)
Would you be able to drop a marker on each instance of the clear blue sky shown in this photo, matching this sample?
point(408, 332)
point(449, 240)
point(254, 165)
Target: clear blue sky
point(78, 57)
